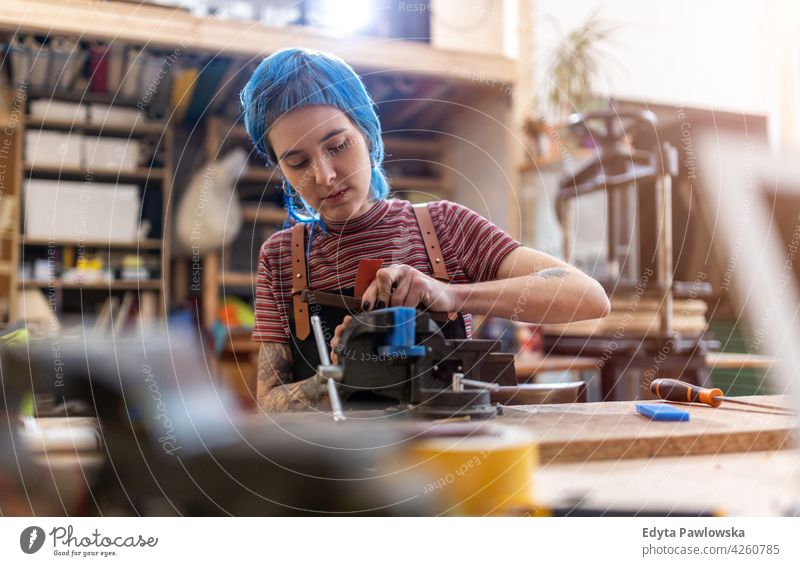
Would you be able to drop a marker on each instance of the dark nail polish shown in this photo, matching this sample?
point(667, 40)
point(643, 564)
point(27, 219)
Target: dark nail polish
point(365, 305)
point(394, 286)
point(380, 305)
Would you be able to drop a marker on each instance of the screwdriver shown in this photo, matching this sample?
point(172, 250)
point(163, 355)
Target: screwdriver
point(674, 390)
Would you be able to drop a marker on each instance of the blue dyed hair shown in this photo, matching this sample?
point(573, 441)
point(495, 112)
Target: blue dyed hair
point(293, 78)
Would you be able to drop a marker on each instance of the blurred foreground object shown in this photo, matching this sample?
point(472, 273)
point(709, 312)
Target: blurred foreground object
point(177, 444)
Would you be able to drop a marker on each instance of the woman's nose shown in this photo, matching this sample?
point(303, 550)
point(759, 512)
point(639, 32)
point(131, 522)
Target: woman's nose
point(324, 173)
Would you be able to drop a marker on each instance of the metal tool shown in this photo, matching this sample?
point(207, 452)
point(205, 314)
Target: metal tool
point(327, 369)
point(459, 382)
point(480, 384)
point(674, 390)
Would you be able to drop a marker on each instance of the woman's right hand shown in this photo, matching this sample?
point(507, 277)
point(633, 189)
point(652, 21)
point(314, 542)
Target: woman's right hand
point(337, 336)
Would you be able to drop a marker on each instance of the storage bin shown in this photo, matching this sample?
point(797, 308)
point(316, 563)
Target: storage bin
point(108, 116)
point(46, 109)
point(58, 149)
point(72, 211)
point(117, 154)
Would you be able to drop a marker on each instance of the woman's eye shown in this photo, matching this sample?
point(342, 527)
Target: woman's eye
point(298, 165)
point(339, 147)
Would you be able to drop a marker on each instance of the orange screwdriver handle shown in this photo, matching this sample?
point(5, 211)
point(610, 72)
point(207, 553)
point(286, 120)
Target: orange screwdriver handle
point(674, 390)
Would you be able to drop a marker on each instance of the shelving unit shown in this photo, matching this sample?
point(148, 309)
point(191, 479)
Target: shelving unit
point(146, 244)
point(10, 182)
point(110, 285)
point(418, 167)
point(457, 88)
point(136, 130)
point(153, 250)
point(81, 173)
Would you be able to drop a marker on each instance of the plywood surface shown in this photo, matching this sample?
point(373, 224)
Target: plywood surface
point(614, 431)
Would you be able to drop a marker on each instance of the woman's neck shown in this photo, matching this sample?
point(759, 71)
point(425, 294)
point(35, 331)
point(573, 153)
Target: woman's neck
point(361, 211)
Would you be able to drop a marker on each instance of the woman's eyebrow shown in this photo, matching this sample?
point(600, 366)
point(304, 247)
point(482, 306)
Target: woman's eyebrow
point(325, 138)
point(332, 133)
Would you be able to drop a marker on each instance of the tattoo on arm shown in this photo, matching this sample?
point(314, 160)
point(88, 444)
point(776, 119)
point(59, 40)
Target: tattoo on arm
point(276, 393)
point(552, 273)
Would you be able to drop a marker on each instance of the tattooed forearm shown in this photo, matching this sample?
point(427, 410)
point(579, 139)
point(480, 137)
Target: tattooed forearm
point(552, 273)
point(275, 391)
point(293, 397)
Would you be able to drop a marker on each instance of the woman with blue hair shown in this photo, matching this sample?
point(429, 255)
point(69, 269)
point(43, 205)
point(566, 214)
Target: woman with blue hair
point(310, 115)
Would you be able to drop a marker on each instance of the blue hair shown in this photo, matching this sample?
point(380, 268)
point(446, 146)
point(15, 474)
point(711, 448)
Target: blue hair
point(292, 78)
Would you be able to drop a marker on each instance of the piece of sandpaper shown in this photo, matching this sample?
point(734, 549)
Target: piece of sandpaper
point(367, 268)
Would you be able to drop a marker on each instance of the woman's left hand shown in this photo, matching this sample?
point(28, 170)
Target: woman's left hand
point(402, 285)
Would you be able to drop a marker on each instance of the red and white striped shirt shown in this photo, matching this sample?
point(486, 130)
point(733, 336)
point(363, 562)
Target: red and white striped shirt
point(472, 248)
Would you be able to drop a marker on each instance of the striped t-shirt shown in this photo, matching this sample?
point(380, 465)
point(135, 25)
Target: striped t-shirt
point(472, 248)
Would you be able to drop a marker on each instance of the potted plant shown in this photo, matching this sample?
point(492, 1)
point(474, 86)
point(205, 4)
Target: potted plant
point(574, 66)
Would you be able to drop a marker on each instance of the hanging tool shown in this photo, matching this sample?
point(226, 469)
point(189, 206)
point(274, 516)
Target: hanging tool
point(327, 369)
point(674, 390)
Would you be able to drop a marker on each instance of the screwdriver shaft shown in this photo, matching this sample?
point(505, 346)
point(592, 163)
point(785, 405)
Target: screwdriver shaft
point(752, 404)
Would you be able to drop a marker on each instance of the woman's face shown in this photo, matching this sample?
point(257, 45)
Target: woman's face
point(325, 158)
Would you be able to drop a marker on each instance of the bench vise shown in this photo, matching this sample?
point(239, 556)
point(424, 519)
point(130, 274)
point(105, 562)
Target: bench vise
point(400, 354)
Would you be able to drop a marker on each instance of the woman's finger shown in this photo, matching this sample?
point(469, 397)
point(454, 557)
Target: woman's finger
point(337, 336)
point(383, 286)
point(401, 286)
point(368, 298)
point(379, 292)
point(335, 346)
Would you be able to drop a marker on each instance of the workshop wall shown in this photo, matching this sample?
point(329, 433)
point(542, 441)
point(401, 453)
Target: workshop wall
point(665, 52)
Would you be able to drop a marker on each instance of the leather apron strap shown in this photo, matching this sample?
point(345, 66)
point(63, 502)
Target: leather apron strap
point(432, 247)
point(302, 322)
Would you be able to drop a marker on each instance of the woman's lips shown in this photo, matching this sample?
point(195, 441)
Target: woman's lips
point(337, 196)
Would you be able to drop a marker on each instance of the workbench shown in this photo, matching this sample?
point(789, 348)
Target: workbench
point(729, 459)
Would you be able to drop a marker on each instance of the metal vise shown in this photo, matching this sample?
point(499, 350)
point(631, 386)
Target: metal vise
point(400, 354)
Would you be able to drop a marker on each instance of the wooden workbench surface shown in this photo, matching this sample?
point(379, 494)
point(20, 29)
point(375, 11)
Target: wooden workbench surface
point(614, 431)
point(586, 432)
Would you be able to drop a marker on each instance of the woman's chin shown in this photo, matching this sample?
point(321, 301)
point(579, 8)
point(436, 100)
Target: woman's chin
point(346, 209)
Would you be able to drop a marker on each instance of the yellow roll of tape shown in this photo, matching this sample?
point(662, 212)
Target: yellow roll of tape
point(486, 471)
